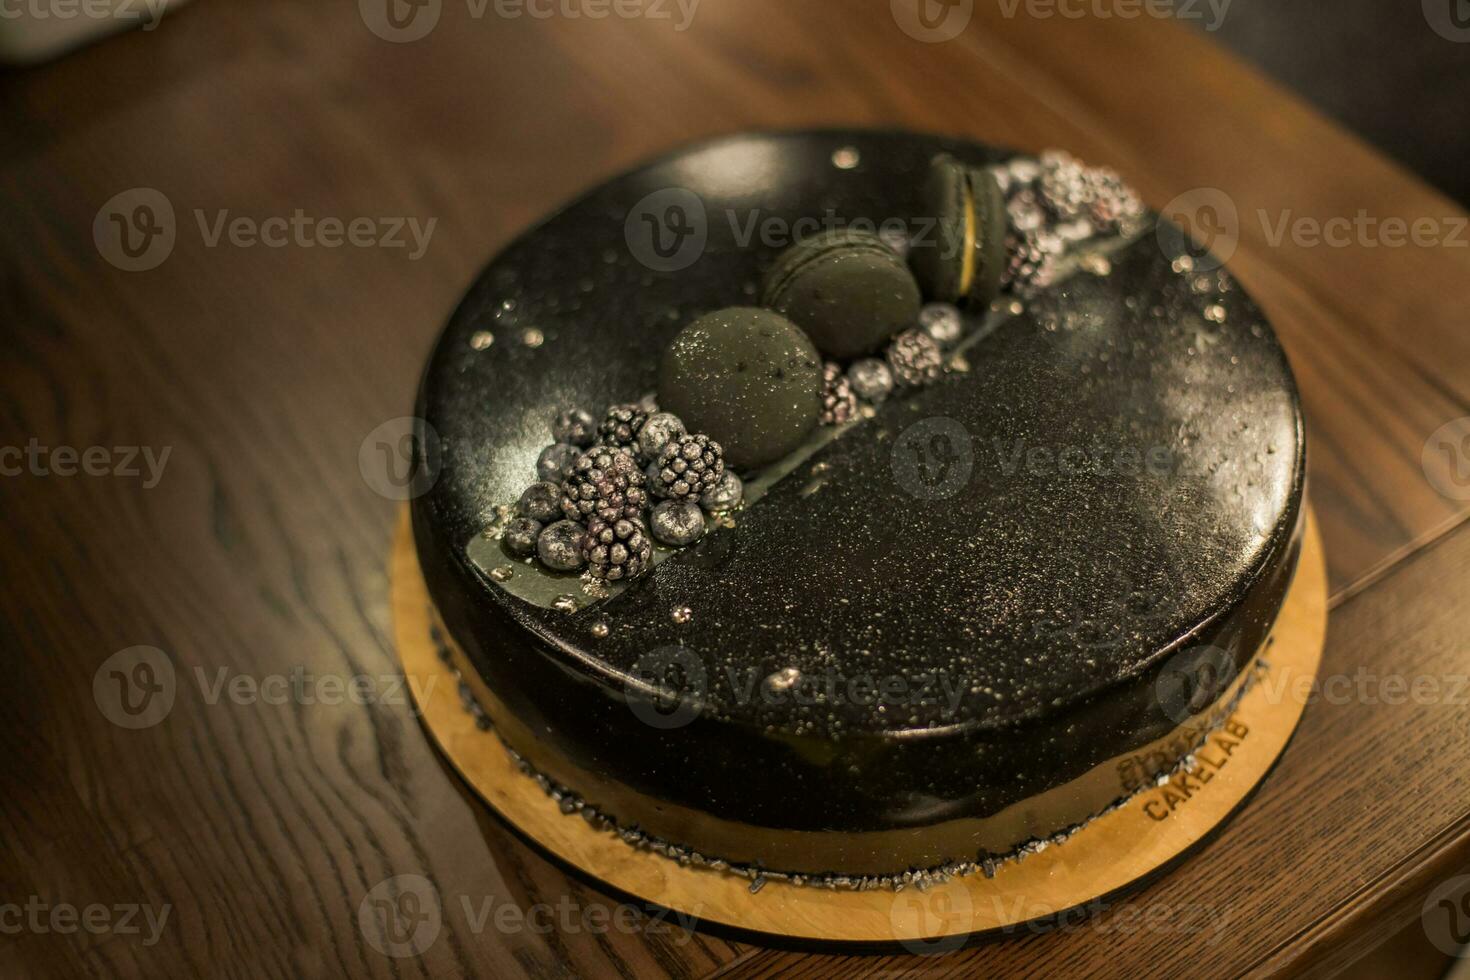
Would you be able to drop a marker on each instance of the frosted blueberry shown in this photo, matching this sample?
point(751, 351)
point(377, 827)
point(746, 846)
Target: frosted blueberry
point(521, 535)
point(555, 462)
point(871, 380)
point(540, 502)
point(574, 426)
point(677, 523)
point(656, 433)
point(726, 494)
point(560, 546)
point(942, 322)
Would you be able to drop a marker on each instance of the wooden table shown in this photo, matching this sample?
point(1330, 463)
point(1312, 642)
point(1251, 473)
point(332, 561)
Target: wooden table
point(262, 826)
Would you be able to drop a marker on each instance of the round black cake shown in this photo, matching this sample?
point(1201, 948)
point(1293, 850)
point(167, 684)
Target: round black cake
point(965, 620)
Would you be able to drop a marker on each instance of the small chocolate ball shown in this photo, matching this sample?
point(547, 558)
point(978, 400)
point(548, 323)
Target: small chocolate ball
point(540, 502)
point(520, 537)
point(746, 377)
point(871, 380)
point(555, 462)
point(560, 546)
point(677, 523)
point(575, 427)
point(656, 433)
point(726, 495)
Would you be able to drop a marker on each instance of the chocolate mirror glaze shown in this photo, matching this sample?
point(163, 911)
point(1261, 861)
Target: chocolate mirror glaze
point(1018, 554)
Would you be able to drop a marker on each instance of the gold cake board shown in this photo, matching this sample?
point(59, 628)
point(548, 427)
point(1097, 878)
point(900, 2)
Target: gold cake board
point(1121, 848)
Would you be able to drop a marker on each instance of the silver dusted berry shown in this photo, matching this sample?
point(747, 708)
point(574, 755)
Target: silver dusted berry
point(656, 433)
point(839, 404)
point(677, 523)
point(914, 358)
point(555, 462)
point(576, 427)
point(1033, 259)
point(606, 483)
point(943, 322)
point(689, 466)
point(870, 379)
point(726, 495)
point(560, 546)
point(1063, 186)
point(1114, 206)
point(1023, 170)
point(617, 550)
point(620, 426)
point(520, 536)
point(540, 502)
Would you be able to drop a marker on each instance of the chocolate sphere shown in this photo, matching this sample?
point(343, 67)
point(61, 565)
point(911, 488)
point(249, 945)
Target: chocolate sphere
point(747, 378)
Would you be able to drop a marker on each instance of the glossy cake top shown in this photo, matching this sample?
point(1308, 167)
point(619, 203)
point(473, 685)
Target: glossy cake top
point(1118, 462)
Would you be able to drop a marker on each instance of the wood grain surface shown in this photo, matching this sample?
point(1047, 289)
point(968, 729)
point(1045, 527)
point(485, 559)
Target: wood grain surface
point(264, 824)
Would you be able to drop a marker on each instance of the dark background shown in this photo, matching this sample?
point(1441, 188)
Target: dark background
point(1370, 65)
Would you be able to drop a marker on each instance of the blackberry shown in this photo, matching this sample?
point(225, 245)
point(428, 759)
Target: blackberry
point(839, 404)
point(1064, 186)
point(689, 466)
point(914, 358)
point(605, 483)
point(1115, 206)
point(617, 550)
point(620, 426)
point(1032, 259)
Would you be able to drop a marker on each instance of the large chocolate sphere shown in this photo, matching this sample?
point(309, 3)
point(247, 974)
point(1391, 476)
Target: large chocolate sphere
point(747, 378)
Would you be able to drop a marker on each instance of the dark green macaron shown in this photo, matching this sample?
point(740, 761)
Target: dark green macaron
point(964, 257)
point(748, 378)
point(848, 290)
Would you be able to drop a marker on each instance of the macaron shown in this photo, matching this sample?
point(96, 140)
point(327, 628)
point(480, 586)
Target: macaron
point(962, 261)
point(847, 289)
point(748, 378)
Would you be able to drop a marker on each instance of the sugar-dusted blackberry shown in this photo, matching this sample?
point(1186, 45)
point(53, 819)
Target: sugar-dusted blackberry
point(620, 426)
point(1115, 207)
point(1033, 259)
point(914, 358)
point(839, 403)
point(1063, 186)
point(605, 482)
point(617, 550)
point(689, 466)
